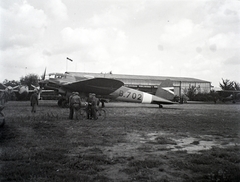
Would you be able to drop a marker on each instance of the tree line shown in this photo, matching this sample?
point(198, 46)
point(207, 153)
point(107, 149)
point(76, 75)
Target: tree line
point(226, 84)
point(28, 80)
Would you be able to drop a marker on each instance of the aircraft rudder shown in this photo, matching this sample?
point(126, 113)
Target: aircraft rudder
point(166, 90)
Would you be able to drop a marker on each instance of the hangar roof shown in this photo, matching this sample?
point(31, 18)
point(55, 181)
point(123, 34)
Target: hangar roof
point(137, 77)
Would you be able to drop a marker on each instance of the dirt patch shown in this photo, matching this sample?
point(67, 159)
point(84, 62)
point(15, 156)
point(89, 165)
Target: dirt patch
point(189, 142)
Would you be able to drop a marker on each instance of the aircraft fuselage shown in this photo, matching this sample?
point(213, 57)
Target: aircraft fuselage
point(104, 88)
point(126, 94)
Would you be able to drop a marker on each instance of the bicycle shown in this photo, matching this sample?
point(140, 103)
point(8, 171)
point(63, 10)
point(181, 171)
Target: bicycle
point(82, 114)
point(2, 117)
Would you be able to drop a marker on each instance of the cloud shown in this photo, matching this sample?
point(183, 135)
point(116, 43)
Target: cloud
point(20, 25)
point(107, 19)
point(222, 16)
point(175, 33)
point(57, 9)
point(213, 47)
point(199, 49)
point(225, 40)
point(234, 60)
point(99, 43)
point(46, 52)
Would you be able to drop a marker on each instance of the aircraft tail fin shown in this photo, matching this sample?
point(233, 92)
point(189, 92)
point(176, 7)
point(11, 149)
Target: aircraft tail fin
point(166, 90)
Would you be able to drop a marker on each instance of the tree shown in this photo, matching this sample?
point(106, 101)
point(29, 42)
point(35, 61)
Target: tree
point(191, 93)
point(31, 79)
point(236, 85)
point(227, 85)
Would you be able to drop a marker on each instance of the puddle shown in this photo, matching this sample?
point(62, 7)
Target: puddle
point(163, 142)
point(187, 143)
point(193, 145)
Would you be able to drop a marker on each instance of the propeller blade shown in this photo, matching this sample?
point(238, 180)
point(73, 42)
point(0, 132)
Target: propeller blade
point(44, 74)
point(17, 86)
point(33, 86)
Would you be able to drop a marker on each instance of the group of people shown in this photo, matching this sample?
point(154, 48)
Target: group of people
point(74, 104)
point(92, 106)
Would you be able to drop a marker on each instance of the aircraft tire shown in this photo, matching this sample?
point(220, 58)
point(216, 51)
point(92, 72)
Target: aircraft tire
point(60, 102)
point(64, 104)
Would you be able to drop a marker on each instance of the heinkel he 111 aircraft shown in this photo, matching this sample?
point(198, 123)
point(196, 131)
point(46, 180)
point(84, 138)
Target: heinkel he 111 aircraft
point(104, 88)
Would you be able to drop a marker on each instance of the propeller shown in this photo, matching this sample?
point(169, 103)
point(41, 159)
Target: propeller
point(44, 74)
point(38, 89)
point(20, 90)
point(41, 84)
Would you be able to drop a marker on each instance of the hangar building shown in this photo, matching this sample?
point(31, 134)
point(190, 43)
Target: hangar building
point(150, 83)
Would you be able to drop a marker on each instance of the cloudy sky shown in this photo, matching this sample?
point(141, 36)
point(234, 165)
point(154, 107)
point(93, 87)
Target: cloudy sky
point(199, 39)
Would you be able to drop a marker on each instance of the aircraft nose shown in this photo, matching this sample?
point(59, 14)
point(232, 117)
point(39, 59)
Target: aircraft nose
point(42, 83)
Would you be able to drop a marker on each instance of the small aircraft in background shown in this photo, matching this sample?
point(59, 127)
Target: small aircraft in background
point(105, 89)
point(21, 91)
point(229, 95)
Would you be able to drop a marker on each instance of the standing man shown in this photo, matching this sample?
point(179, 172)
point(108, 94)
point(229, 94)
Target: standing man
point(89, 106)
point(34, 101)
point(74, 103)
point(94, 107)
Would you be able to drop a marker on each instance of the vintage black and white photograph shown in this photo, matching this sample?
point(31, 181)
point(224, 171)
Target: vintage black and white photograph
point(120, 90)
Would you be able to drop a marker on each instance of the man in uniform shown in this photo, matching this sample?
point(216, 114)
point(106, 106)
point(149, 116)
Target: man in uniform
point(94, 102)
point(89, 106)
point(74, 103)
point(34, 101)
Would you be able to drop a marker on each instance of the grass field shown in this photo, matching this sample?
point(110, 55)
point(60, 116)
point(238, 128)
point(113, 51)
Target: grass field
point(189, 142)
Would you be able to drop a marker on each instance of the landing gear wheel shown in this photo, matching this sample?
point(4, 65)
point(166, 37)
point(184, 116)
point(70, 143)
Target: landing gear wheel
point(60, 102)
point(103, 105)
point(160, 106)
point(64, 104)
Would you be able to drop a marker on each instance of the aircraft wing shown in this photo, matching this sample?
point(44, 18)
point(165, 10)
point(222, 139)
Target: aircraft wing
point(99, 86)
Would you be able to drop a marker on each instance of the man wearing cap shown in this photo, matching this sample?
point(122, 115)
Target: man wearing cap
point(34, 101)
point(74, 103)
point(93, 103)
point(89, 106)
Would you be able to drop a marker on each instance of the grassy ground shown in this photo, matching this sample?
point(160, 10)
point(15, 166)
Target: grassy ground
point(189, 142)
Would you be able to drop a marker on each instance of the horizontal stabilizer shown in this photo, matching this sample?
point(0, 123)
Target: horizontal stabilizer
point(158, 100)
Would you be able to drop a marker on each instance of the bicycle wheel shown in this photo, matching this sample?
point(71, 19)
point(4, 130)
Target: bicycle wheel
point(101, 114)
point(2, 119)
point(82, 114)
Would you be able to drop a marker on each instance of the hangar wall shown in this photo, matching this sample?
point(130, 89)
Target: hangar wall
point(150, 83)
point(202, 87)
